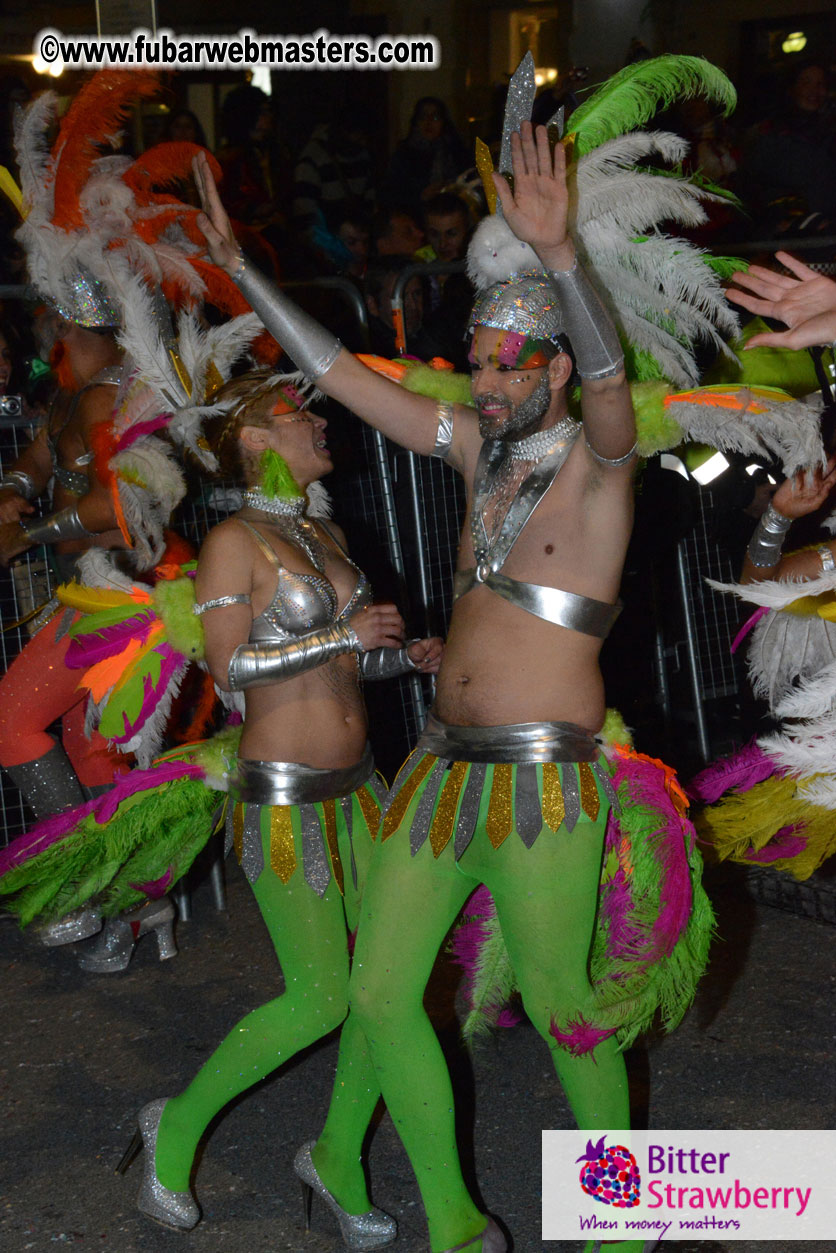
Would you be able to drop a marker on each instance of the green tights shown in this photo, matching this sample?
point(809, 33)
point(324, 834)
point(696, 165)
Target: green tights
point(309, 935)
point(546, 899)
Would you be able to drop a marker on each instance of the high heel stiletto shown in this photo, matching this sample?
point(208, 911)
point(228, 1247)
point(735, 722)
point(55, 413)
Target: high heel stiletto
point(372, 1230)
point(177, 1210)
point(115, 946)
point(493, 1241)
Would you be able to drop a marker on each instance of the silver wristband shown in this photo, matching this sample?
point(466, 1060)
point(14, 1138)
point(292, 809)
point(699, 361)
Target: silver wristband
point(19, 481)
point(312, 348)
point(768, 538)
point(66, 524)
point(588, 325)
point(613, 462)
point(444, 433)
point(255, 665)
point(828, 562)
point(386, 663)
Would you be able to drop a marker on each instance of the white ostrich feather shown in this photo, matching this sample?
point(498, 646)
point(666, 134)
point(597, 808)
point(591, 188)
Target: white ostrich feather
point(97, 569)
point(812, 697)
point(319, 502)
point(819, 791)
point(788, 430)
point(777, 593)
point(31, 126)
point(142, 337)
point(809, 749)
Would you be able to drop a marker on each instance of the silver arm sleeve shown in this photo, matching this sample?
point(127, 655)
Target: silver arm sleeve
point(385, 663)
point(444, 432)
point(66, 524)
point(255, 665)
point(768, 538)
point(589, 326)
point(313, 349)
point(19, 481)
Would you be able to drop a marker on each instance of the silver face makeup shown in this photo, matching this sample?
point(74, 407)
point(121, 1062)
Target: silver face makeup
point(521, 419)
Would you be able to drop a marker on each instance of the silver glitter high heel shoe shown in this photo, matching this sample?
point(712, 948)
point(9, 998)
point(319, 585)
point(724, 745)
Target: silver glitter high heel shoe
point(115, 946)
point(493, 1241)
point(80, 924)
point(177, 1210)
point(372, 1230)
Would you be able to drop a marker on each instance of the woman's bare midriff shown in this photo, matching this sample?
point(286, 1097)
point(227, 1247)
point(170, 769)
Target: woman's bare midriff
point(317, 719)
point(503, 665)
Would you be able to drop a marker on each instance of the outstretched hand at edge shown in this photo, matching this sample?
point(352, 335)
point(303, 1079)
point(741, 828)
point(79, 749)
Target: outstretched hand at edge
point(806, 303)
point(214, 220)
point(537, 210)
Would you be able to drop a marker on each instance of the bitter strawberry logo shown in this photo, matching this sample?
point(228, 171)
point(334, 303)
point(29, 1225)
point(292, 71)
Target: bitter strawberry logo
point(610, 1174)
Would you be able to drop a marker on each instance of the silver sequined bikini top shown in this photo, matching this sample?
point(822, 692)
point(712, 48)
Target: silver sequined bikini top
point(76, 481)
point(302, 602)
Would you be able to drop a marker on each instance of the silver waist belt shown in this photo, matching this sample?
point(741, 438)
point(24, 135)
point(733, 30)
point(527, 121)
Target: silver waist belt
point(514, 742)
point(566, 609)
point(294, 783)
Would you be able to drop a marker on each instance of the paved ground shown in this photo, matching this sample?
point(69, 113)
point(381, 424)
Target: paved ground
point(80, 1054)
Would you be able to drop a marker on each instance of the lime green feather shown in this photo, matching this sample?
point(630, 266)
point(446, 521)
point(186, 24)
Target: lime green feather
point(90, 623)
point(174, 602)
point(444, 385)
point(631, 97)
point(277, 480)
point(655, 429)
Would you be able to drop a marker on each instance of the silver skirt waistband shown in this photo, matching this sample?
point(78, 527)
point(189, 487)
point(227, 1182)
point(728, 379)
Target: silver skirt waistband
point(294, 783)
point(514, 742)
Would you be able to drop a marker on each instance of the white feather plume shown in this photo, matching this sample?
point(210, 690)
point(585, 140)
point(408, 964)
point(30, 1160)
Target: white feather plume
point(31, 126)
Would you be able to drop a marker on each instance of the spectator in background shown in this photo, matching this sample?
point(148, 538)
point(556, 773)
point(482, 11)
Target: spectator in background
point(788, 170)
point(431, 156)
point(447, 227)
point(333, 176)
point(381, 277)
point(183, 127)
point(396, 233)
point(254, 169)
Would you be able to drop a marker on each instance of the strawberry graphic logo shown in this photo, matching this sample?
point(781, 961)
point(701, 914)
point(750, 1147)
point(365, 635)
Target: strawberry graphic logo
point(610, 1174)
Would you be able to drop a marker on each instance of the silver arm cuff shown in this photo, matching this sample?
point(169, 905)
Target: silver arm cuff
point(613, 462)
point(828, 563)
point(255, 665)
point(589, 326)
point(19, 481)
point(444, 434)
point(385, 663)
point(313, 349)
point(768, 538)
point(66, 524)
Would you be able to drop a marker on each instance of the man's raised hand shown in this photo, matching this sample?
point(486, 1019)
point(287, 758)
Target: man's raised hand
point(538, 208)
point(214, 221)
point(805, 302)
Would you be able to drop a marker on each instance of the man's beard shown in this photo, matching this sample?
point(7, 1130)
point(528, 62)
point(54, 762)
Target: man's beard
point(522, 419)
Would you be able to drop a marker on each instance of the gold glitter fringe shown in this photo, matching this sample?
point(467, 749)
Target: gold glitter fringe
point(554, 809)
point(500, 811)
point(590, 800)
point(282, 851)
point(329, 813)
point(447, 808)
point(370, 808)
point(395, 813)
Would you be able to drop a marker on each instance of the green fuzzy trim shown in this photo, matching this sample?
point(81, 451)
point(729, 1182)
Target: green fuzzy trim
point(151, 832)
point(174, 602)
point(640, 365)
point(443, 385)
point(656, 430)
point(633, 96)
point(277, 480)
point(615, 729)
point(217, 756)
point(786, 368)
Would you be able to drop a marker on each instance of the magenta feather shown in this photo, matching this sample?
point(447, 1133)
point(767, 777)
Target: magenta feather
point(152, 691)
point(139, 429)
point(43, 835)
point(580, 1037)
point(741, 771)
point(140, 780)
point(86, 650)
point(785, 843)
point(157, 888)
point(748, 626)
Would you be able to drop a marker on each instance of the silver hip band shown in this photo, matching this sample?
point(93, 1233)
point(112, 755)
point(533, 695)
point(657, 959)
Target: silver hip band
point(294, 783)
point(513, 742)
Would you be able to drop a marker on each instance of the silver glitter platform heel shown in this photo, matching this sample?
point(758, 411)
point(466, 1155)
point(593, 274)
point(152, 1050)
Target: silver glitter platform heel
point(373, 1230)
point(115, 946)
point(78, 925)
point(493, 1241)
point(177, 1210)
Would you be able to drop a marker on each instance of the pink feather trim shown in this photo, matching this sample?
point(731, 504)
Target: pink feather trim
point(86, 650)
point(157, 888)
point(137, 431)
point(785, 843)
point(152, 692)
point(43, 835)
point(581, 1037)
point(749, 625)
point(740, 771)
point(126, 785)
